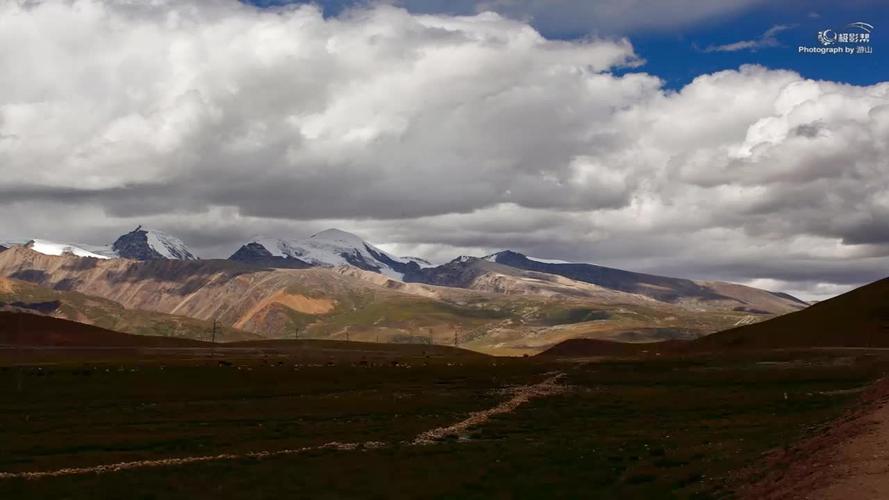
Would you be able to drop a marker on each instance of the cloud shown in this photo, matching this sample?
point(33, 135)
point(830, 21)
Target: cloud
point(282, 113)
point(434, 135)
point(600, 16)
point(767, 39)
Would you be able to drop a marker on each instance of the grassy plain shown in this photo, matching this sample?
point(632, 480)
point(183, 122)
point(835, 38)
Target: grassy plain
point(682, 427)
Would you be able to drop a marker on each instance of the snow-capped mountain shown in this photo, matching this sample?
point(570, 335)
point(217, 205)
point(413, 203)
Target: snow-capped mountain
point(332, 247)
point(150, 244)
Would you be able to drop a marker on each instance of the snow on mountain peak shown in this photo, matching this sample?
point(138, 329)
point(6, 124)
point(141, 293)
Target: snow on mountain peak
point(335, 247)
point(168, 246)
point(52, 248)
point(507, 254)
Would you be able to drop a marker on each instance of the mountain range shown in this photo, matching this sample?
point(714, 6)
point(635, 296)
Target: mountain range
point(336, 285)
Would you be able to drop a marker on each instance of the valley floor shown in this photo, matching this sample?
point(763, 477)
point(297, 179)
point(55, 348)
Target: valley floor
point(407, 424)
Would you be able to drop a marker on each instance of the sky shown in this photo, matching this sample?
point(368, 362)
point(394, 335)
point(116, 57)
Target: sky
point(667, 136)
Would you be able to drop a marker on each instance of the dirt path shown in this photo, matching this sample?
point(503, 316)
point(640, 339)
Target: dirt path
point(850, 460)
point(167, 462)
point(520, 396)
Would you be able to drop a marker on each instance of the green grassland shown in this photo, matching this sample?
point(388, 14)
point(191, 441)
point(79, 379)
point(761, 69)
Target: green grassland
point(480, 321)
point(668, 428)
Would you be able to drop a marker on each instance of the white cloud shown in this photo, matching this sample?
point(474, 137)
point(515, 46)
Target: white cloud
point(766, 40)
point(433, 134)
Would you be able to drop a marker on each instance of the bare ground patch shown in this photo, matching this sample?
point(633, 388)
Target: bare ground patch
point(849, 459)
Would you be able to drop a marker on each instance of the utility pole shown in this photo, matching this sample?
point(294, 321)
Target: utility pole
point(214, 331)
point(456, 337)
point(296, 332)
point(20, 349)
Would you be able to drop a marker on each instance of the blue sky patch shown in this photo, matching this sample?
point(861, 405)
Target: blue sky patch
point(768, 34)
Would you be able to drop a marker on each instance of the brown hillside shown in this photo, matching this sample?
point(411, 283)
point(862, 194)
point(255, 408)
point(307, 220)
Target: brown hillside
point(21, 296)
point(588, 348)
point(23, 329)
point(859, 318)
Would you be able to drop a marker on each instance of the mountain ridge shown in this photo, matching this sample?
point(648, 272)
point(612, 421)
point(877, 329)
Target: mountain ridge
point(662, 288)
